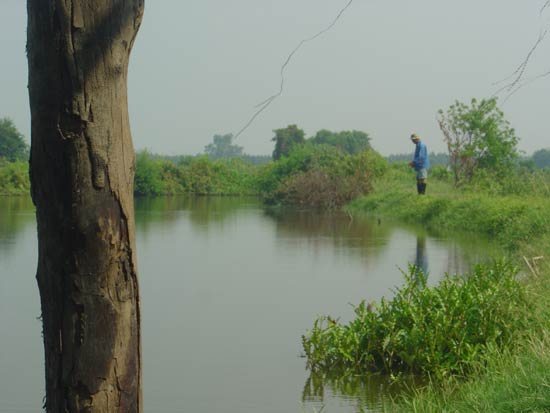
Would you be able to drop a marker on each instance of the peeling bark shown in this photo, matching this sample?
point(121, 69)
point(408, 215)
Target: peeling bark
point(82, 167)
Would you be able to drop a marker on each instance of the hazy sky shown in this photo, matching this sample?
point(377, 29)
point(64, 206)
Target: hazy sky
point(199, 67)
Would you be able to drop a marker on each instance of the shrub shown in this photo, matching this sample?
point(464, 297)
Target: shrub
point(14, 178)
point(319, 175)
point(441, 330)
point(148, 175)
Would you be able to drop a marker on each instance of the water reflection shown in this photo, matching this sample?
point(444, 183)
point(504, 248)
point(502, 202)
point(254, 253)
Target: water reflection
point(202, 211)
point(360, 393)
point(421, 259)
point(363, 237)
point(16, 214)
point(228, 288)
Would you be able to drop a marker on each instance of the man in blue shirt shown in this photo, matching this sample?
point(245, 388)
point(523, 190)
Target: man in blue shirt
point(420, 163)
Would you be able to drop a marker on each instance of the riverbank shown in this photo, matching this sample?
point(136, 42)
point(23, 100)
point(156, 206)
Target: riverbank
point(517, 377)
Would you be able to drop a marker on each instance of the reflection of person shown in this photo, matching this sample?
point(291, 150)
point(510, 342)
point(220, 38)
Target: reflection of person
point(421, 260)
point(420, 163)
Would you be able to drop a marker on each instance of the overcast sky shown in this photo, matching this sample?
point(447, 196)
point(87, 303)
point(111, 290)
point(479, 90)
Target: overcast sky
point(199, 67)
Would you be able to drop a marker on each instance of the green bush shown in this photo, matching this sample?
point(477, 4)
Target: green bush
point(148, 175)
point(193, 175)
point(319, 175)
point(14, 178)
point(441, 330)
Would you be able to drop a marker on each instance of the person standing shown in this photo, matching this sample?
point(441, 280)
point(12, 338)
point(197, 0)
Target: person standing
point(420, 163)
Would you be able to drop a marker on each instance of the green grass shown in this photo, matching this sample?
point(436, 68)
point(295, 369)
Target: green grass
point(515, 213)
point(508, 382)
point(512, 220)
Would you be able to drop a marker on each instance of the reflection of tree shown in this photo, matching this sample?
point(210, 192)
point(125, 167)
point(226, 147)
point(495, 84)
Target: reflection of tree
point(16, 213)
point(204, 211)
point(366, 392)
point(358, 235)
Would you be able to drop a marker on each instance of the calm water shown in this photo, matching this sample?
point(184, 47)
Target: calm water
point(228, 289)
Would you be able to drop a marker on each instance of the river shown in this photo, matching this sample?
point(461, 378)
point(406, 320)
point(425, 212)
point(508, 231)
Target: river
point(228, 288)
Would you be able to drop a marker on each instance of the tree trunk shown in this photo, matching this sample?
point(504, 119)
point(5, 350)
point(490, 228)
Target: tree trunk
point(82, 167)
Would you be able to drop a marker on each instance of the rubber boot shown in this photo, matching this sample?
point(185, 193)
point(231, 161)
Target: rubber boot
point(423, 189)
point(419, 188)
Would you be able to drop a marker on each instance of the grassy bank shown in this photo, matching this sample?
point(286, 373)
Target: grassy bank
point(504, 365)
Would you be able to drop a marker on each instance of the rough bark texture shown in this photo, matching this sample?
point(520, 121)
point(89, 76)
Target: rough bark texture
point(82, 167)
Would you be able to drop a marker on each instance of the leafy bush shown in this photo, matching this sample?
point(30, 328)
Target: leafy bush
point(319, 175)
point(14, 178)
point(441, 330)
point(148, 175)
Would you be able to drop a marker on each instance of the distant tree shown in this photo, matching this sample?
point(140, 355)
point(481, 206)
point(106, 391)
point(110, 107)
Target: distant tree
point(223, 148)
point(12, 144)
point(285, 139)
point(350, 142)
point(541, 158)
point(478, 136)
point(256, 159)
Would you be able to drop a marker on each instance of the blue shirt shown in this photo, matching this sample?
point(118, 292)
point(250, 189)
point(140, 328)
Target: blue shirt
point(421, 160)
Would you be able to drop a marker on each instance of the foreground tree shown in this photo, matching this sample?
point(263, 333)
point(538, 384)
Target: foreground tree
point(82, 163)
point(478, 137)
point(12, 144)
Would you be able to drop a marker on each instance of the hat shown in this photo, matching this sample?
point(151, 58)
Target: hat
point(414, 136)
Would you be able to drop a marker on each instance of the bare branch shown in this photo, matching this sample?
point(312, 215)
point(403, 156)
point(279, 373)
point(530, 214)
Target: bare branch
point(525, 83)
point(545, 6)
point(517, 75)
point(263, 105)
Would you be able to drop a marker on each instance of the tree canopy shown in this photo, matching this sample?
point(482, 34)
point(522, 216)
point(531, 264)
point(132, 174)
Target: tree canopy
point(222, 147)
point(12, 143)
point(285, 139)
point(478, 137)
point(541, 158)
point(350, 142)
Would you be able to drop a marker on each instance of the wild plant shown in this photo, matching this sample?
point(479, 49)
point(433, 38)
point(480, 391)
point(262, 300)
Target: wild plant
point(440, 330)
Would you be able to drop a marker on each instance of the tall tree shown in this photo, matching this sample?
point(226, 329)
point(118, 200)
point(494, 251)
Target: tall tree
point(478, 137)
point(82, 166)
point(541, 158)
point(350, 142)
point(222, 147)
point(285, 139)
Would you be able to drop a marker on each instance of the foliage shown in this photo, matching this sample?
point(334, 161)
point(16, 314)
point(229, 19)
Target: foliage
point(193, 175)
point(478, 136)
point(435, 158)
point(223, 148)
point(285, 139)
point(506, 383)
point(541, 158)
point(12, 143)
point(148, 175)
point(319, 175)
point(441, 330)
point(350, 142)
point(14, 178)
point(256, 159)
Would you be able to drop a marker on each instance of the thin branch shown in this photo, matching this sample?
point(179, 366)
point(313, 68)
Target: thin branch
point(525, 83)
point(263, 105)
point(518, 73)
point(545, 6)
